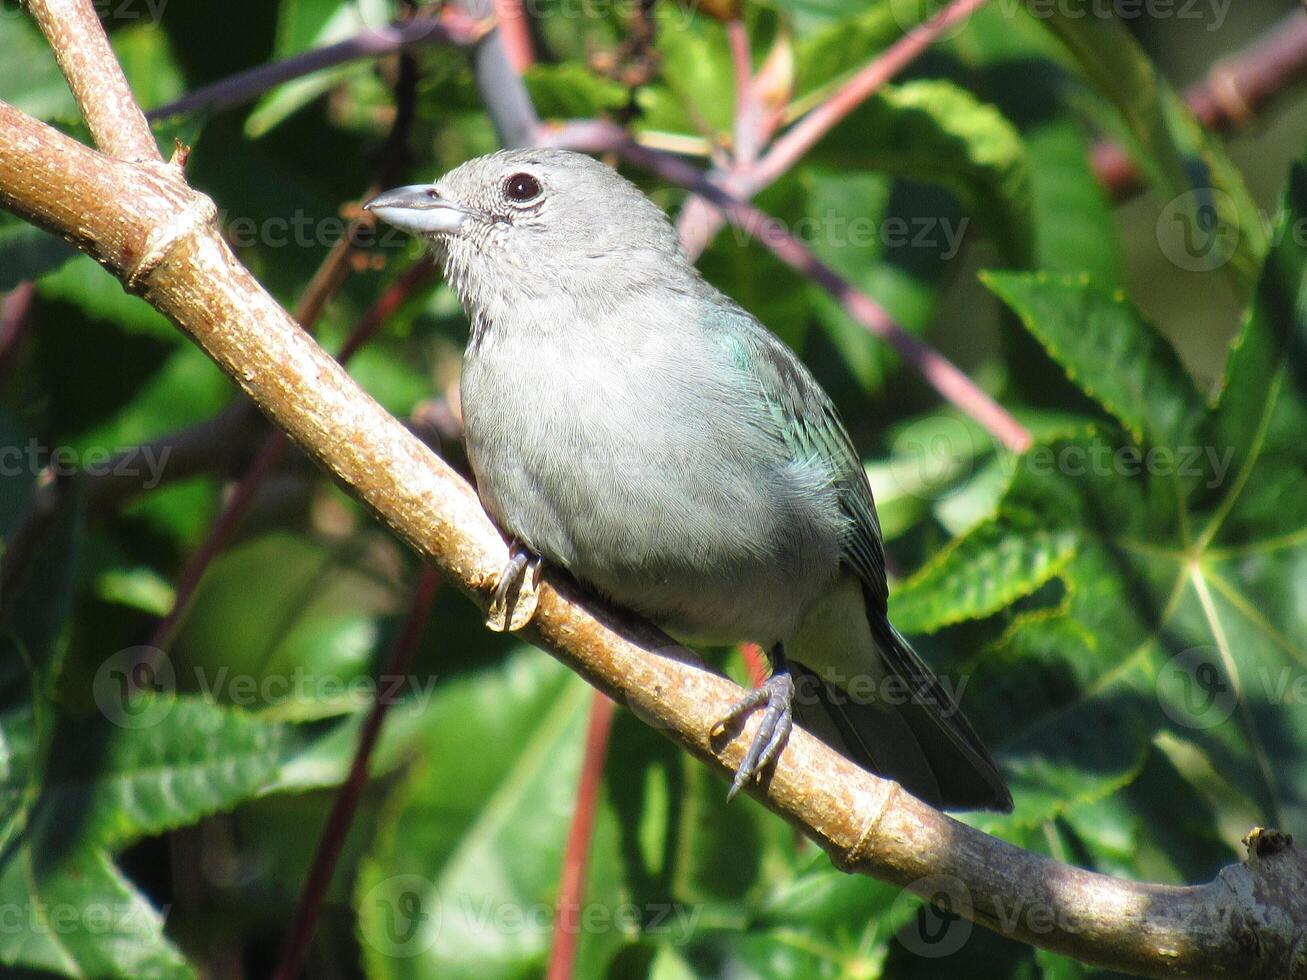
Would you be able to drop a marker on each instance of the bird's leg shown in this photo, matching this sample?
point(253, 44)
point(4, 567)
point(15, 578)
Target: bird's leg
point(511, 575)
point(513, 602)
point(777, 694)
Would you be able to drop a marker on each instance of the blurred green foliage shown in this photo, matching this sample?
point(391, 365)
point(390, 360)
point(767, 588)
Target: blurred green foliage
point(1122, 607)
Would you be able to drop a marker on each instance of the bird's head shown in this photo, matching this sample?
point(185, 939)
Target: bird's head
point(519, 225)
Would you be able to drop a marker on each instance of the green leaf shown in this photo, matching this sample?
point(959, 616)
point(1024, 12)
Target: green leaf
point(152, 762)
point(83, 282)
point(1015, 65)
point(1181, 620)
point(82, 918)
point(825, 57)
point(980, 574)
point(695, 91)
point(143, 51)
point(933, 131)
point(69, 910)
point(29, 76)
point(1110, 352)
point(284, 623)
point(28, 253)
point(1186, 164)
point(570, 90)
point(303, 25)
point(894, 240)
point(504, 753)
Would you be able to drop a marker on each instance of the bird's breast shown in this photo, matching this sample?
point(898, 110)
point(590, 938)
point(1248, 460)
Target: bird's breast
point(649, 473)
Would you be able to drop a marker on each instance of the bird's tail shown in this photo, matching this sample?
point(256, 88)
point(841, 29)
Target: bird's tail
point(911, 731)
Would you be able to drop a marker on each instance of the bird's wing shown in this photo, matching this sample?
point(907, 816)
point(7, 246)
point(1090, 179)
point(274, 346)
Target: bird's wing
point(811, 428)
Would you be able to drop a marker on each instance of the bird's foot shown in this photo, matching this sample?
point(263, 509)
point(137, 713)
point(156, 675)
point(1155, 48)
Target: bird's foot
point(513, 602)
point(777, 695)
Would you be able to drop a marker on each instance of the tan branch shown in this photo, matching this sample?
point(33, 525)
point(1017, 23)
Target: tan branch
point(99, 86)
point(158, 236)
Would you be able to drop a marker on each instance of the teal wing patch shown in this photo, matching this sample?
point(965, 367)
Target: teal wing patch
point(812, 429)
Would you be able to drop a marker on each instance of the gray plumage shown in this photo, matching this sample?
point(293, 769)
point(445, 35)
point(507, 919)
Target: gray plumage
point(628, 422)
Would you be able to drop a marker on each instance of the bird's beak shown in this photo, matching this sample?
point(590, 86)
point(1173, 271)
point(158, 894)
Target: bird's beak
point(417, 209)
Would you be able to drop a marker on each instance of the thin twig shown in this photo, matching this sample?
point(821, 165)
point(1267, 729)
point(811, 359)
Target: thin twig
point(295, 945)
point(272, 452)
point(699, 226)
point(99, 86)
point(1228, 99)
point(576, 853)
point(450, 28)
point(939, 371)
point(747, 127)
point(795, 142)
point(326, 282)
point(516, 32)
point(500, 84)
point(220, 532)
point(14, 310)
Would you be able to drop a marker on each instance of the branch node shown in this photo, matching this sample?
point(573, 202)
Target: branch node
point(194, 214)
point(848, 861)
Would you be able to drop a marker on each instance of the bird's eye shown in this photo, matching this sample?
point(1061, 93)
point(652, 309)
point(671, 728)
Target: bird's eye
point(521, 188)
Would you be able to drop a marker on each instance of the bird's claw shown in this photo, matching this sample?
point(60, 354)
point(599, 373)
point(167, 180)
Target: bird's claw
point(513, 602)
point(777, 695)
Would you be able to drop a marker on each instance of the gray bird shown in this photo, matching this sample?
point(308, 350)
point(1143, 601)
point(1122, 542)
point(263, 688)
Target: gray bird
point(632, 425)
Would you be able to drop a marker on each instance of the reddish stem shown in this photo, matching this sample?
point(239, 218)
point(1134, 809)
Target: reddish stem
point(796, 141)
point(516, 32)
point(14, 309)
point(748, 129)
point(233, 510)
point(269, 456)
point(386, 305)
point(699, 225)
point(307, 911)
point(1227, 99)
point(576, 856)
